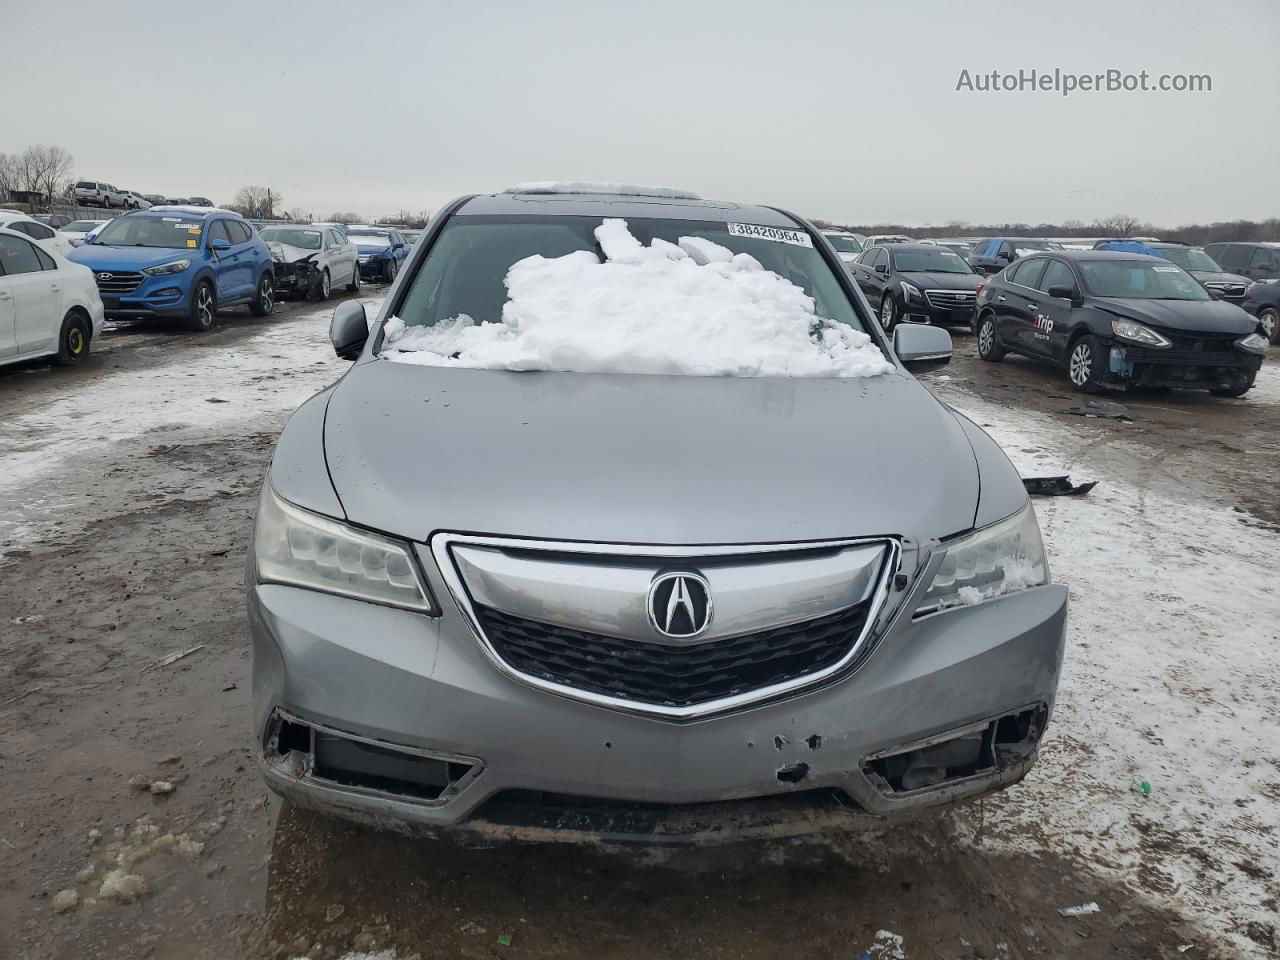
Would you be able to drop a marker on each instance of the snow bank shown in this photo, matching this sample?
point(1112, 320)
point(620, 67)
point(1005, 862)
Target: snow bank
point(695, 308)
point(594, 186)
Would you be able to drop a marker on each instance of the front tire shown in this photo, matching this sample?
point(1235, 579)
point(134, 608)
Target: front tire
point(391, 269)
point(323, 288)
point(1269, 319)
point(264, 298)
point(989, 348)
point(203, 306)
point(73, 340)
point(888, 314)
point(1086, 364)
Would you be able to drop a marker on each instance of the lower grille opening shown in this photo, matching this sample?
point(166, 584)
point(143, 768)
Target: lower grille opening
point(971, 752)
point(304, 751)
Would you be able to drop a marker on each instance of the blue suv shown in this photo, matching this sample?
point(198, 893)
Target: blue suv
point(182, 262)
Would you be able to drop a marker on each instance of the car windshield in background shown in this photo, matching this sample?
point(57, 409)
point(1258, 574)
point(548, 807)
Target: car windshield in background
point(844, 244)
point(177, 232)
point(1029, 246)
point(931, 261)
point(1139, 280)
point(304, 239)
point(960, 249)
point(1189, 258)
point(370, 239)
point(82, 226)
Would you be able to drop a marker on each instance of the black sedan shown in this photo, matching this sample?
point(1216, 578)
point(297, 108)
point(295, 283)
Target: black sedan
point(1118, 319)
point(917, 283)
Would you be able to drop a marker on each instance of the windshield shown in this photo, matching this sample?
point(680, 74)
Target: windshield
point(1140, 280)
point(170, 232)
point(1189, 258)
point(306, 239)
point(844, 243)
point(929, 261)
point(630, 296)
point(370, 240)
point(958, 248)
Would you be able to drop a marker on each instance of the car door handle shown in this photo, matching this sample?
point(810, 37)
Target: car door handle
point(54, 286)
point(1001, 298)
point(1032, 306)
point(4, 296)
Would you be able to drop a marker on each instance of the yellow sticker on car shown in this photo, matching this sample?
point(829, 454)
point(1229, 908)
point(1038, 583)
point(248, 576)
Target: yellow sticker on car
point(191, 243)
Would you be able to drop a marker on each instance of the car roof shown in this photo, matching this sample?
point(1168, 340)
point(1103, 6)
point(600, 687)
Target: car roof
point(913, 248)
point(187, 211)
point(623, 206)
point(1078, 256)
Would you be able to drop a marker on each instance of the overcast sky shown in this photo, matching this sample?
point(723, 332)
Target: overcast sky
point(845, 110)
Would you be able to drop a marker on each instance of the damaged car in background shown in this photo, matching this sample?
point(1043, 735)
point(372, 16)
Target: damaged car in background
point(311, 260)
point(685, 554)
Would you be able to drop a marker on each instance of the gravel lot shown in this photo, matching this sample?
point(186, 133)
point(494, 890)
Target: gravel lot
point(129, 486)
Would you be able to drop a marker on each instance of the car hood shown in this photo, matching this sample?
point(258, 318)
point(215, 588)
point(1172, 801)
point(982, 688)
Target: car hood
point(412, 450)
point(1211, 276)
point(943, 281)
point(1192, 316)
point(371, 251)
point(98, 257)
point(288, 253)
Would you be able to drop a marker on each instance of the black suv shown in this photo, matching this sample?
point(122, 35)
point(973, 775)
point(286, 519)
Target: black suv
point(1227, 286)
point(1257, 261)
point(1115, 319)
point(918, 283)
point(993, 254)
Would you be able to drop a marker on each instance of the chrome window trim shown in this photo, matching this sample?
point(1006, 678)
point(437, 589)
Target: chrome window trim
point(441, 543)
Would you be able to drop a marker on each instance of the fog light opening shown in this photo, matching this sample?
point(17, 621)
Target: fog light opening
point(303, 751)
point(973, 751)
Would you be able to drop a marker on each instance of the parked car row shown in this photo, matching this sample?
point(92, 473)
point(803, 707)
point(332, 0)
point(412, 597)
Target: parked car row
point(98, 193)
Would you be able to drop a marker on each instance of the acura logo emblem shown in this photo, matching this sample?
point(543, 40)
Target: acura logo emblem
point(679, 605)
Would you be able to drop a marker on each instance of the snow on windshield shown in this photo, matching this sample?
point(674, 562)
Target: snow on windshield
point(692, 307)
point(370, 239)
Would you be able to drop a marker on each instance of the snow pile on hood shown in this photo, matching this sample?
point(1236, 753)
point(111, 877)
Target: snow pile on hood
point(592, 187)
point(693, 308)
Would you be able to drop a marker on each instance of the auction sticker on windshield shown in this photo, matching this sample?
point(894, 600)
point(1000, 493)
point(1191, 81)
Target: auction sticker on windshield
point(778, 235)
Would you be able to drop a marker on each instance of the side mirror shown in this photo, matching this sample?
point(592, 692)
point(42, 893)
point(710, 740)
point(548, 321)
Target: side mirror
point(921, 347)
point(217, 244)
point(1062, 292)
point(1005, 255)
point(882, 268)
point(349, 329)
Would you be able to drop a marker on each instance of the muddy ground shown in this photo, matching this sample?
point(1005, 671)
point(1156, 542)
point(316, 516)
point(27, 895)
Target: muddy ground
point(130, 489)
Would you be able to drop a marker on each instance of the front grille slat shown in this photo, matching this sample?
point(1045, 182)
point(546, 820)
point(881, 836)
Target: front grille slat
point(113, 282)
point(666, 674)
point(951, 299)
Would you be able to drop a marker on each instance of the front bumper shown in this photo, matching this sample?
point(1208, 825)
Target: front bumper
point(533, 765)
point(165, 296)
point(296, 279)
point(923, 310)
point(373, 269)
point(1185, 369)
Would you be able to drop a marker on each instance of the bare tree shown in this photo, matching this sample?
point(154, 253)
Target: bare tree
point(1119, 225)
point(344, 217)
point(8, 175)
point(257, 202)
point(297, 216)
point(40, 169)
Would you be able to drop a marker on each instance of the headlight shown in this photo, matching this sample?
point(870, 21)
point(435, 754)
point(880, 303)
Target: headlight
point(1253, 343)
point(175, 266)
point(999, 559)
point(1137, 333)
point(909, 290)
point(303, 549)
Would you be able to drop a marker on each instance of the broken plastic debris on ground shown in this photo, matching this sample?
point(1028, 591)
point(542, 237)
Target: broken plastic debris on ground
point(692, 308)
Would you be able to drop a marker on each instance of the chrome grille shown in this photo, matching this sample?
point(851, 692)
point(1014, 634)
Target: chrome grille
point(951, 299)
point(110, 281)
point(1231, 291)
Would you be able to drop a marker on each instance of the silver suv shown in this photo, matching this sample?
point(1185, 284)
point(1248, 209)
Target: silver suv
point(654, 607)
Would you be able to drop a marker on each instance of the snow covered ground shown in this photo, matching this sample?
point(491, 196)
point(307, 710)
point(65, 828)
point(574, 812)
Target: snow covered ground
point(1170, 678)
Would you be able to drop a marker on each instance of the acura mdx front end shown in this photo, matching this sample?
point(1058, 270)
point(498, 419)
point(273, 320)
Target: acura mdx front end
point(510, 588)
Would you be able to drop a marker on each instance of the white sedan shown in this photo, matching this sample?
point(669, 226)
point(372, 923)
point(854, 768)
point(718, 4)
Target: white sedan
point(48, 305)
point(78, 231)
point(42, 233)
point(311, 259)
